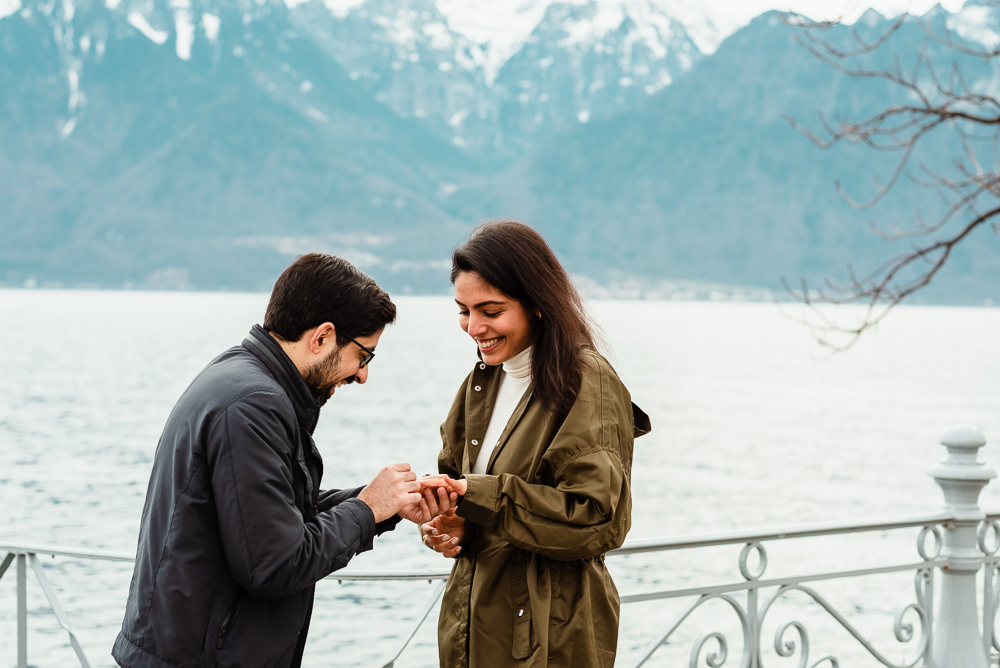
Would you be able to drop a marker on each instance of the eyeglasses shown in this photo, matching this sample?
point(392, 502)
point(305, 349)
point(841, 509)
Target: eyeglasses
point(368, 356)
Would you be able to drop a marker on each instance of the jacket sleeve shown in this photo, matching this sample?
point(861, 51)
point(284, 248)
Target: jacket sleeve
point(328, 498)
point(271, 551)
point(587, 510)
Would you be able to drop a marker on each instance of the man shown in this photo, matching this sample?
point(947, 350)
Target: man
point(235, 531)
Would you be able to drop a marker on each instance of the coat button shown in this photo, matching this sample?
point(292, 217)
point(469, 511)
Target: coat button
point(478, 388)
point(520, 613)
point(475, 442)
point(482, 366)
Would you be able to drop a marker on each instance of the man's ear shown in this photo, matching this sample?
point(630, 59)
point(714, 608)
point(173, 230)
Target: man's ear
point(322, 336)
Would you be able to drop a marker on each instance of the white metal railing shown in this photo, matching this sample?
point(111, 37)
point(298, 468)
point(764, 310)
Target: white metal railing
point(963, 541)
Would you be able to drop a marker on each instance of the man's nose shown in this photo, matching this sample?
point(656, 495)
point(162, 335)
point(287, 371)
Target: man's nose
point(361, 376)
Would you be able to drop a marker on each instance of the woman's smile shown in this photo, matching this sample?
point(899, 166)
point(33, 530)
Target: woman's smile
point(487, 345)
point(498, 323)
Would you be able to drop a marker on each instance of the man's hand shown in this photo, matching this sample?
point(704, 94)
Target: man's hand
point(444, 534)
point(393, 489)
point(436, 500)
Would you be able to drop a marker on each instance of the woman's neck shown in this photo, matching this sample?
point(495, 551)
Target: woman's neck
point(519, 366)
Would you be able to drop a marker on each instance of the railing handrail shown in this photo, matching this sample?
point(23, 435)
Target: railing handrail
point(780, 533)
point(965, 541)
point(632, 547)
point(61, 551)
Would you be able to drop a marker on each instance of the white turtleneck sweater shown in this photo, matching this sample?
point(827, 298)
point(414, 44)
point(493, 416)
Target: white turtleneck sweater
point(514, 383)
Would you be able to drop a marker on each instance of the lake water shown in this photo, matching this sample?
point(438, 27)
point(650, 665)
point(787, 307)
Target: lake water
point(752, 426)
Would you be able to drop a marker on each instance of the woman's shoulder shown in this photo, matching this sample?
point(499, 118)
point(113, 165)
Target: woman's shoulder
point(595, 362)
point(600, 380)
point(598, 375)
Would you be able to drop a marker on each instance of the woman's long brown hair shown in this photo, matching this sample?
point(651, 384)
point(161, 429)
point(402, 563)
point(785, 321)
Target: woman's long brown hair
point(517, 261)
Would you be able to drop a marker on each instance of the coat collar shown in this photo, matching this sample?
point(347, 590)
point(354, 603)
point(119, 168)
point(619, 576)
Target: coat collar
point(265, 348)
point(485, 383)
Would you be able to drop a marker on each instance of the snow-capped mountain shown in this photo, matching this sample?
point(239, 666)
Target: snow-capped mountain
point(498, 92)
point(490, 92)
point(502, 28)
point(204, 142)
point(588, 61)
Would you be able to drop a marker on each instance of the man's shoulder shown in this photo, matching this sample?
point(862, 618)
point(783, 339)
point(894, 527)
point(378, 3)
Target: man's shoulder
point(235, 375)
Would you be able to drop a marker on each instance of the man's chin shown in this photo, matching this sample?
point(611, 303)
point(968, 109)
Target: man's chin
point(322, 395)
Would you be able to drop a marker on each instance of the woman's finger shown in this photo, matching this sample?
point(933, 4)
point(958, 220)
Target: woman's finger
point(443, 502)
point(437, 544)
point(446, 545)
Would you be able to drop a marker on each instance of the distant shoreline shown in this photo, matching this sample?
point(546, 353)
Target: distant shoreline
point(623, 290)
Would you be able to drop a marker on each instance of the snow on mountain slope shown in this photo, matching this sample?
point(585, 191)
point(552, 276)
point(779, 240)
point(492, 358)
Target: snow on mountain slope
point(582, 58)
point(8, 7)
point(502, 28)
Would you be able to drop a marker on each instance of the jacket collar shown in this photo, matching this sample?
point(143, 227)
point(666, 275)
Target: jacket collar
point(481, 411)
point(264, 347)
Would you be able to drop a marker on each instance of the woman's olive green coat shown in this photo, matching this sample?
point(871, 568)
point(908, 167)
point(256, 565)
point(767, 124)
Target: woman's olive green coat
point(530, 587)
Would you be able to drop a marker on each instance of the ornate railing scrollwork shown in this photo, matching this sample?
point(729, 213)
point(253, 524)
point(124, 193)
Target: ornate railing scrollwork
point(761, 561)
point(902, 630)
point(752, 615)
point(713, 659)
point(929, 530)
point(786, 648)
point(988, 538)
point(991, 604)
point(989, 547)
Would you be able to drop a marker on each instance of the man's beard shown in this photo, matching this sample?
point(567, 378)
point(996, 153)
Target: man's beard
point(320, 377)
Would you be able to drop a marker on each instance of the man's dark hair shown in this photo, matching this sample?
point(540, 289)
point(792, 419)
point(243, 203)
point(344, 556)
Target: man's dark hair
point(318, 288)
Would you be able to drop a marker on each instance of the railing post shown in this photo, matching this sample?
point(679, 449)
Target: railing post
point(956, 641)
point(22, 611)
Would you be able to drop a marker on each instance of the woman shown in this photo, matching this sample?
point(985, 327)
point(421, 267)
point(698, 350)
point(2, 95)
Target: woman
point(538, 446)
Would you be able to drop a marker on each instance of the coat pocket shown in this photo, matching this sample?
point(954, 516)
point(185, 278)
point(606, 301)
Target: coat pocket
point(229, 621)
point(521, 646)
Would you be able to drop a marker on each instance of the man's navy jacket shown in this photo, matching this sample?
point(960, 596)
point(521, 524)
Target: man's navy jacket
point(235, 531)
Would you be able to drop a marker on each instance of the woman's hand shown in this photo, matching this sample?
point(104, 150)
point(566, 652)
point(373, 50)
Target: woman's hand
point(459, 487)
point(444, 534)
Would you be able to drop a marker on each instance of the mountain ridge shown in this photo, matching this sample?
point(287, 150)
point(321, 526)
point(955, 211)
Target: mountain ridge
point(125, 163)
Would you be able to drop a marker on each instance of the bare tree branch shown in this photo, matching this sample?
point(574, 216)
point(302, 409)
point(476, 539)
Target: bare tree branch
point(968, 184)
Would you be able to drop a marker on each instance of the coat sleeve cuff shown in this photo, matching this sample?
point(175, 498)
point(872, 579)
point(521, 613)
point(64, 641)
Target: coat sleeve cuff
point(366, 522)
point(481, 500)
point(332, 497)
point(387, 525)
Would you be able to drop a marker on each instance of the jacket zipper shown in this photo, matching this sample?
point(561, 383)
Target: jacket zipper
point(230, 620)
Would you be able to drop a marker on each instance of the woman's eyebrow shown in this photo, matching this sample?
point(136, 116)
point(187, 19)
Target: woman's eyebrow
point(482, 304)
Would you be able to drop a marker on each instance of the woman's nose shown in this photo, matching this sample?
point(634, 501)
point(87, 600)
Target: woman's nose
point(477, 326)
